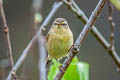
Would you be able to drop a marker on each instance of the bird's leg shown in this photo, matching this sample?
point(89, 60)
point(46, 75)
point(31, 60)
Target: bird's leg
point(59, 65)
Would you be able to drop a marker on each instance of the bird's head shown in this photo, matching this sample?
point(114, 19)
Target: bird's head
point(60, 23)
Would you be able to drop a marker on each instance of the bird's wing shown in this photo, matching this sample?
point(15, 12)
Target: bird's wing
point(47, 37)
point(48, 34)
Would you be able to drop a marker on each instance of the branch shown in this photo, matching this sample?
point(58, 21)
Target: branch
point(81, 38)
point(6, 31)
point(112, 24)
point(37, 6)
point(42, 57)
point(80, 14)
point(34, 39)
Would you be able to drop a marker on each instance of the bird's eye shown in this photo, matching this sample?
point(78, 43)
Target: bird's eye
point(64, 24)
point(55, 23)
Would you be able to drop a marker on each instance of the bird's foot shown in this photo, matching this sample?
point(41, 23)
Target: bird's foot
point(60, 67)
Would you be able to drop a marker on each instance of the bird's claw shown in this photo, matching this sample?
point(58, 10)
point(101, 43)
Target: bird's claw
point(60, 67)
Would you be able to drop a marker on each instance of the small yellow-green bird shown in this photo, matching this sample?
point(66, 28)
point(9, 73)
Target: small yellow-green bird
point(59, 39)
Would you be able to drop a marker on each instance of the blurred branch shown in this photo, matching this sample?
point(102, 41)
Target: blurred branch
point(42, 58)
point(6, 31)
point(34, 39)
point(81, 38)
point(81, 15)
point(38, 6)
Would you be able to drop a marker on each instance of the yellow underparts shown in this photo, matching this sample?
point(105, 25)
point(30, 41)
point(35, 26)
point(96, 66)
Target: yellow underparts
point(59, 42)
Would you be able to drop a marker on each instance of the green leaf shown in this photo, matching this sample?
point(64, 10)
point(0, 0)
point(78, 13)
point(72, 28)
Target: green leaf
point(53, 70)
point(116, 3)
point(76, 71)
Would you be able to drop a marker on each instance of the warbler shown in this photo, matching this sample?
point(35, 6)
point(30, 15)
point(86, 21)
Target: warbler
point(59, 39)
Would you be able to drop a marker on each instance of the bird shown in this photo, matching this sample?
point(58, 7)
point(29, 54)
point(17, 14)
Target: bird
point(59, 39)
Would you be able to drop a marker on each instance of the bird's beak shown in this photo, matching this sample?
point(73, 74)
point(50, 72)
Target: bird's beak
point(59, 25)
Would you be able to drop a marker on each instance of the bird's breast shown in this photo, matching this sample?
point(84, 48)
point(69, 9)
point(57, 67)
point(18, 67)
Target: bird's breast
point(58, 44)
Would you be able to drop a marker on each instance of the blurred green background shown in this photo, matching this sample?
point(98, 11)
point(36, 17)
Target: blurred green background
point(19, 18)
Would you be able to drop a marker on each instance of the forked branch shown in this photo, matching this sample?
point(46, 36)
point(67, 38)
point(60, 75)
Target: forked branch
point(81, 38)
point(81, 15)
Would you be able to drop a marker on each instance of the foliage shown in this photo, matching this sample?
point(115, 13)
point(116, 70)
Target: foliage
point(76, 71)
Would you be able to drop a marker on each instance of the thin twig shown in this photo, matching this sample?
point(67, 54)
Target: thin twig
point(34, 39)
point(6, 31)
point(112, 24)
point(81, 38)
point(81, 15)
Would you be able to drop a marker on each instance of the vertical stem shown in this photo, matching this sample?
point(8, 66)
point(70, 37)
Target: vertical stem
point(6, 31)
point(112, 41)
point(112, 24)
point(42, 57)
